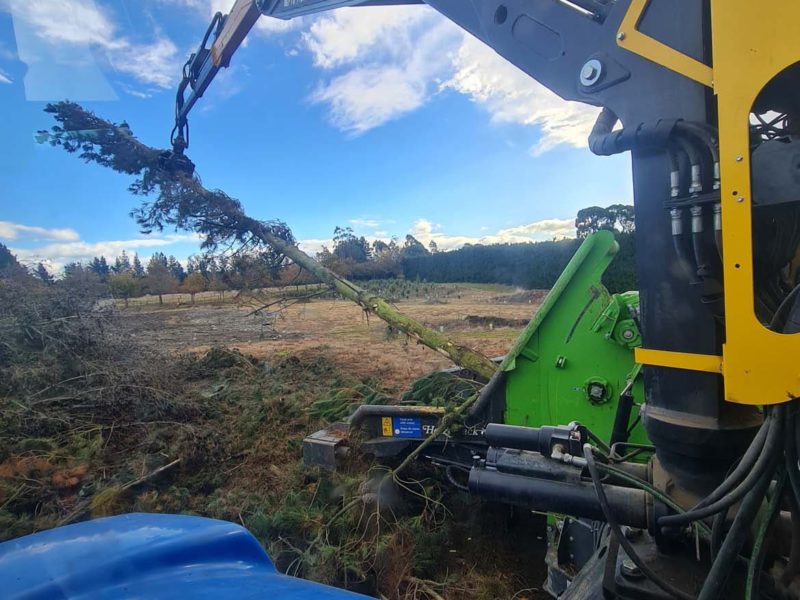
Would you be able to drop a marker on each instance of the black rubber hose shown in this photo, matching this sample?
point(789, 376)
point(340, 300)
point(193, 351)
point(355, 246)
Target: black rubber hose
point(772, 445)
point(743, 468)
point(721, 568)
point(701, 132)
point(620, 536)
point(622, 418)
point(683, 258)
point(790, 452)
point(700, 259)
point(756, 562)
point(718, 532)
point(695, 160)
point(602, 128)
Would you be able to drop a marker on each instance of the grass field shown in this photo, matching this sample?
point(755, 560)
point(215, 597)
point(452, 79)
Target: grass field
point(360, 345)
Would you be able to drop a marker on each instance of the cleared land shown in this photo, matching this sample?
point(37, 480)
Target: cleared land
point(364, 347)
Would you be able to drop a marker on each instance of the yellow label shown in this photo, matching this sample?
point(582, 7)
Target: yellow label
point(386, 426)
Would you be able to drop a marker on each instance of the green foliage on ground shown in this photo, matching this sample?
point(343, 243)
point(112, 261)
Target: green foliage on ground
point(91, 424)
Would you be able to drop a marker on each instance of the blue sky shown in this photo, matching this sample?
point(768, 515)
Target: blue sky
point(390, 120)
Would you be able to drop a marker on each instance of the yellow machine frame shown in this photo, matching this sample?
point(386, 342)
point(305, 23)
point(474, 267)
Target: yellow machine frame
point(759, 366)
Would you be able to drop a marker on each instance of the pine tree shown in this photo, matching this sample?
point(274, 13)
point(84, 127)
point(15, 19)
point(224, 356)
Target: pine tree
point(138, 269)
point(99, 266)
point(122, 264)
point(43, 274)
point(159, 279)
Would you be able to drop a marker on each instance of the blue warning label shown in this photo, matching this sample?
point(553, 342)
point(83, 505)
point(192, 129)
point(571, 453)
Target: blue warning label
point(406, 427)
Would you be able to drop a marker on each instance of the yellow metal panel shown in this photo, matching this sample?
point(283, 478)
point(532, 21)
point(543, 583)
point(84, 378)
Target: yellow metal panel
point(630, 38)
point(679, 360)
point(752, 42)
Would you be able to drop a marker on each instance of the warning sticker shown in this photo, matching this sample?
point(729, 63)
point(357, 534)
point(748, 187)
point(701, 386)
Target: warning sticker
point(386, 426)
point(406, 427)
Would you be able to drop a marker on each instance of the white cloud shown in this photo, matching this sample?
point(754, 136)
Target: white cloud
point(346, 35)
point(391, 60)
point(4, 78)
point(396, 58)
point(511, 96)
point(365, 222)
point(56, 255)
point(426, 231)
point(81, 23)
point(537, 231)
point(150, 63)
point(12, 231)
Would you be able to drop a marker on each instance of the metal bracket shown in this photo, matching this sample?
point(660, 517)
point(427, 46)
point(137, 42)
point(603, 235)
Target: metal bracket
point(630, 38)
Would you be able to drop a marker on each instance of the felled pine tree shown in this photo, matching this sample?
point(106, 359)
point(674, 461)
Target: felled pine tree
point(174, 199)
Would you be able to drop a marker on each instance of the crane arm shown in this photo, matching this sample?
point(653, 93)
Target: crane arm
point(223, 37)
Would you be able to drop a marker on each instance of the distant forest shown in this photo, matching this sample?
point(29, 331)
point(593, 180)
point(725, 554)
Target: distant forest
point(527, 265)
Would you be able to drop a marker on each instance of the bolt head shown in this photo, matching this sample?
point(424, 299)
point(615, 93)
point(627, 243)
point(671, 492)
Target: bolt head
point(591, 72)
point(740, 199)
point(739, 158)
point(621, 36)
point(627, 334)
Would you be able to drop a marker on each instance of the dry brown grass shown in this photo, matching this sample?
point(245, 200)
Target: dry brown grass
point(360, 346)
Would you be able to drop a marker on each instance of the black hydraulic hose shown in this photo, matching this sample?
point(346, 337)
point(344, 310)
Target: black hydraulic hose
point(717, 532)
point(695, 160)
point(756, 563)
point(701, 132)
point(793, 564)
point(622, 418)
point(698, 243)
point(678, 244)
point(743, 468)
point(674, 169)
point(790, 452)
point(723, 564)
point(603, 127)
point(620, 536)
point(771, 446)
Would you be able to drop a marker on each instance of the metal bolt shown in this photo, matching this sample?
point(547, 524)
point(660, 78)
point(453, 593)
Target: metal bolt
point(627, 334)
point(591, 72)
point(621, 36)
point(739, 158)
point(630, 569)
point(740, 199)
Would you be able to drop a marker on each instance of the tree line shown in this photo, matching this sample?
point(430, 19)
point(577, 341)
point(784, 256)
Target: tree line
point(527, 265)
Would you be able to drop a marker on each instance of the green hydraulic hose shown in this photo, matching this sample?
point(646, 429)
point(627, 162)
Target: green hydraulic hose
point(757, 555)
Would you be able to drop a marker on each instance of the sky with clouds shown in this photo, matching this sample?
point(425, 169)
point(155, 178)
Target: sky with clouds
point(390, 120)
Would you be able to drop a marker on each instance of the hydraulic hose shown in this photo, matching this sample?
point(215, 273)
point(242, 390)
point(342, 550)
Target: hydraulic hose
point(723, 564)
point(707, 138)
point(756, 563)
point(695, 160)
point(620, 536)
point(743, 468)
point(770, 450)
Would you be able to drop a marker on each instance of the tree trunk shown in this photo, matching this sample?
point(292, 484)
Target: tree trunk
point(160, 300)
point(460, 355)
